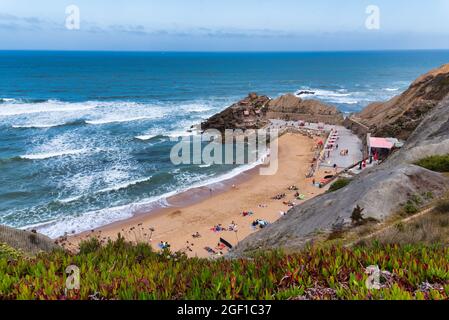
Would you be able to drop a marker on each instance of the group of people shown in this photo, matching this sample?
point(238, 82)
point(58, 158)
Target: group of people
point(289, 203)
point(220, 228)
point(279, 196)
point(259, 223)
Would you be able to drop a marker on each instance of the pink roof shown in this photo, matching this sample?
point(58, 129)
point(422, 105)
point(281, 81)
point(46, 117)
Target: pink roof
point(380, 143)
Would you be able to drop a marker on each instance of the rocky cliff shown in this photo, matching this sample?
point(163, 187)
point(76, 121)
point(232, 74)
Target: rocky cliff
point(381, 190)
point(248, 113)
point(291, 107)
point(254, 111)
point(400, 116)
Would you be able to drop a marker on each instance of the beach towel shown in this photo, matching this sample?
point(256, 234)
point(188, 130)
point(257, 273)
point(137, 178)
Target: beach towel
point(216, 229)
point(221, 246)
point(164, 245)
point(210, 250)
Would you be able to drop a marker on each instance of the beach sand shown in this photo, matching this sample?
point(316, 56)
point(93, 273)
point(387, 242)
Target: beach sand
point(249, 192)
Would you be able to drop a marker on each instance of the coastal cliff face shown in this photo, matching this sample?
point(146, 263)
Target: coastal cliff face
point(400, 116)
point(254, 112)
point(290, 107)
point(248, 113)
point(381, 191)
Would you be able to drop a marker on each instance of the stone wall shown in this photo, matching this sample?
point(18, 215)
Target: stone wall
point(327, 119)
point(360, 130)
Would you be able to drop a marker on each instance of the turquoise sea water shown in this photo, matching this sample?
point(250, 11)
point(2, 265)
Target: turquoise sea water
point(85, 136)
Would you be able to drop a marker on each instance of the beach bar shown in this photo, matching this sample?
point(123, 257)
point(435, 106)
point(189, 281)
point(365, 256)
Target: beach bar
point(380, 147)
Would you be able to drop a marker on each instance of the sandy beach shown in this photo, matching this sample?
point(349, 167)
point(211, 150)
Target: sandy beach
point(250, 192)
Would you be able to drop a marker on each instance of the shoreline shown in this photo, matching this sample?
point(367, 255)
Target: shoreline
point(186, 198)
point(195, 210)
point(219, 184)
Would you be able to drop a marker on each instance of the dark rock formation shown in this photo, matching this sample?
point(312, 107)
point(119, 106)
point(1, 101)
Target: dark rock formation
point(380, 191)
point(26, 241)
point(254, 111)
point(248, 113)
point(304, 92)
point(400, 116)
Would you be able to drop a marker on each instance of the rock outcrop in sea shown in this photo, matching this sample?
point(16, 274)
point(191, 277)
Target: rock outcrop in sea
point(254, 112)
point(248, 113)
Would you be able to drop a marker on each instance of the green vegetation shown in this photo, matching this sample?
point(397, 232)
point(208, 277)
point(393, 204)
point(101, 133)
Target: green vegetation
point(413, 204)
point(357, 215)
point(6, 252)
point(410, 208)
point(120, 270)
point(339, 184)
point(358, 219)
point(435, 163)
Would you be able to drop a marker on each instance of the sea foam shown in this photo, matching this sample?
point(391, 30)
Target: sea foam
point(47, 155)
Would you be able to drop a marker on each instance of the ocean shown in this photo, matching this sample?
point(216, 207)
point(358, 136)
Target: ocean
point(85, 136)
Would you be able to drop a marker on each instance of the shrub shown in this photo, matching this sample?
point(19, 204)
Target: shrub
point(410, 207)
point(89, 246)
point(339, 184)
point(8, 252)
point(357, 215)
point(416, 199)
point(435, 163)
point(428, 195)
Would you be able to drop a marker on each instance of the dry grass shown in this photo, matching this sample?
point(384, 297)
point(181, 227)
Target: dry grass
point(431, 228)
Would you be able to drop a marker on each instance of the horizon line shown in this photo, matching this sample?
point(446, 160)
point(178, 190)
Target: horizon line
point(223, 51)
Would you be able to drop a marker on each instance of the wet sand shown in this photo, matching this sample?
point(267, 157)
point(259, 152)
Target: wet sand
point(199, 210)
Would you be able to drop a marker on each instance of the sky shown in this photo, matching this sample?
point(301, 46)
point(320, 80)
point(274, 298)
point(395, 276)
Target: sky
point(225, 25)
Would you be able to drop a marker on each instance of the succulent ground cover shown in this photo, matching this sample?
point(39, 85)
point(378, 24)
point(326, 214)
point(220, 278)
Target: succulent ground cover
point(121, 270)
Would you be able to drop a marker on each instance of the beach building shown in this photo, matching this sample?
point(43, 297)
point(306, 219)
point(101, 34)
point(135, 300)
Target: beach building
point(381, 148)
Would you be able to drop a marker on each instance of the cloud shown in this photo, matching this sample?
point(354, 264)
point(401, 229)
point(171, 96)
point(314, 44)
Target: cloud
point(140, 30)
point(12, 22)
